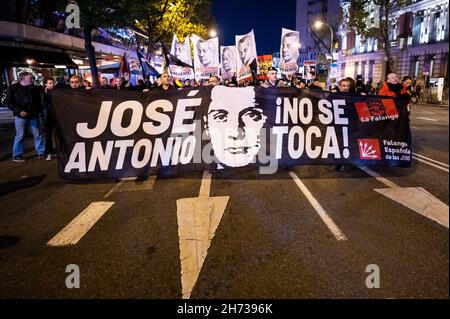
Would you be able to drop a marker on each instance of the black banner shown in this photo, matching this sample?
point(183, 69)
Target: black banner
point(107, 134)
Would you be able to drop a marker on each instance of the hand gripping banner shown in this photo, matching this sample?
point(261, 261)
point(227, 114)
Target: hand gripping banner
point(106, 134)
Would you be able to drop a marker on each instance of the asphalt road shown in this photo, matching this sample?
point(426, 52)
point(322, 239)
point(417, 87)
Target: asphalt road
point(270, 243)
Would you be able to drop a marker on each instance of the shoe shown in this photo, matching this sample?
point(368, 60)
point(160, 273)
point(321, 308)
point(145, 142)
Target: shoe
point(18, 159)
point(49, 157)
point(40, 157)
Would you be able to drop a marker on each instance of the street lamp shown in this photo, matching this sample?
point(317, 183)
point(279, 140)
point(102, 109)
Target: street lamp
point(212, 33)
point(318, 24)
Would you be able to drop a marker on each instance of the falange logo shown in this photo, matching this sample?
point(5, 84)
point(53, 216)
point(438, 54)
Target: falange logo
point(369, 149)
point(374, 111)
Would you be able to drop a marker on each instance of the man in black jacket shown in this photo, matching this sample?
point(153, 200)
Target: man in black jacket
point(25, 100)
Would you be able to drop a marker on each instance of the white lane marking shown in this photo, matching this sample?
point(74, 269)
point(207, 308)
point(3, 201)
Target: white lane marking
point(414, 127)
point(428, 112)
point(426, 119)
point(318, 208)
point(431, 164)
point(430, 159)
point(198, 219)
point(113, 189)
point(417, 199)
point(134, 186)
point(378, 177)
point(79, 226)
point(149, 182)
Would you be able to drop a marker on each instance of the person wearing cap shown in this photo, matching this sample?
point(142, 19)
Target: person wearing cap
point(272, 79)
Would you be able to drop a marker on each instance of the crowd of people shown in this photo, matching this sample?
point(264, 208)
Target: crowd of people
point(30, 102)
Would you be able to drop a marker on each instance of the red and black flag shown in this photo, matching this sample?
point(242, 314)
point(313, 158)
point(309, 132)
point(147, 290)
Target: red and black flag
point(369, 109)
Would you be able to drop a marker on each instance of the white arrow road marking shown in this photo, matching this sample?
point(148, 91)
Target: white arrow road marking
point(79, 226)
point(415, 198)
point(338, 234)
point(198, 219)
point(420, 201)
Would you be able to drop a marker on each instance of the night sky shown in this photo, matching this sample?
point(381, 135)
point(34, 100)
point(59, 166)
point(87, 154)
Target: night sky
point(266, 17)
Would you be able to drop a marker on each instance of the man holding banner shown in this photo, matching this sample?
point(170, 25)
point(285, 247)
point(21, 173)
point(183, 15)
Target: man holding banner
point(272, 79)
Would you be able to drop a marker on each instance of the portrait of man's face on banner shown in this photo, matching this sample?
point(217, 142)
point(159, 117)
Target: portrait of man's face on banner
point(246, 50)
point(290, 47)
point(228, 60)
point(309, 71)
point(205, 51)
point(234, 122)
point(181, 51)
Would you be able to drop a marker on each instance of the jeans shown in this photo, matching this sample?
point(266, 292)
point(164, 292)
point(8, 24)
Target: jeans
point(21, 125)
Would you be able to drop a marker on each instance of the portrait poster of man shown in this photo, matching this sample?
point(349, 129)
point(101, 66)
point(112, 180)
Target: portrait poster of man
point(309, 70)
point(228, 64)
point(246, 59)
point(206, 57)
point(289, 51)
point(183, 52)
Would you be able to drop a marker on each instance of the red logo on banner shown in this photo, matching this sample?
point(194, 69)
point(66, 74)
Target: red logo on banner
point(369, 149)
point(378, 110)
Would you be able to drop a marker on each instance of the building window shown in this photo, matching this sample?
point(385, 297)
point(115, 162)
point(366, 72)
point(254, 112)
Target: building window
point(363, 70)
point(370, 73)
point(343, 70)
point(416, 67)
point(424, 30)
point(344, 42)
point(435, 35)
point(356, 70)
point(417, 26)
point(431, 66)
point(393, 32)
